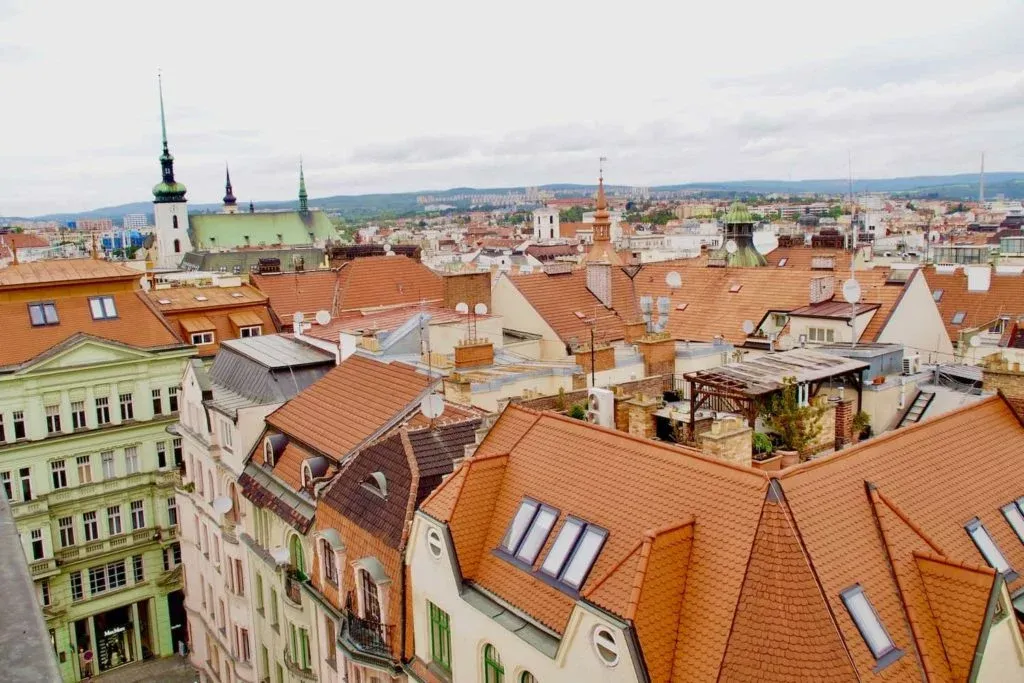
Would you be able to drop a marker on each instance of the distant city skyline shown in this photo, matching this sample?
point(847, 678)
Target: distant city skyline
point(415, 98)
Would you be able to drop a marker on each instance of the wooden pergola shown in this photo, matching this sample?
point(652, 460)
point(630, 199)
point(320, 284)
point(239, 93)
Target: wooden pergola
point(743, 388)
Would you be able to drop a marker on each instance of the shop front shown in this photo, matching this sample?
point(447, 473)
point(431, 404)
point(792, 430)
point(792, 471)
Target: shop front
point(113, 638)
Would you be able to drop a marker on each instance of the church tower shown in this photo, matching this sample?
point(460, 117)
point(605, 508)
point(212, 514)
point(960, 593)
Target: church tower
point(230, 203)
point(303, 197)
point(170, 212)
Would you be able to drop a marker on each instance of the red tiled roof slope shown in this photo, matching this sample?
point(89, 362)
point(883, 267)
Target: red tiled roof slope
point(1005, 296)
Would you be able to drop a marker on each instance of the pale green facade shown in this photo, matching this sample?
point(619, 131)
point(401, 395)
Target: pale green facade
point(233, 230)
point(87, 499)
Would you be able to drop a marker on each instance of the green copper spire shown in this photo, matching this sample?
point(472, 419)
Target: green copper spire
point(167, 190)
point(303, 197)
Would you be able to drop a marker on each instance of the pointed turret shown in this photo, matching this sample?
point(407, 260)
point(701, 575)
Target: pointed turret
point(230, 203)
point(303, 197)
point(252, 208)
point(167, 190)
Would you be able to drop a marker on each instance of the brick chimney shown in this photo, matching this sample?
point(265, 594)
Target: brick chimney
point(844, 420)
point(641, 415)
point(604, 357)
point(729, 439)
point(822, 288)
point(999, 374)
point(634, 331)
point(659, 352)
point(599, 282)
point(474, 353)
point(471, 288)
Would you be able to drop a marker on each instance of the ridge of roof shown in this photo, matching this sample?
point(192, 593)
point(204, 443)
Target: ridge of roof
point(878, 497)
point(414, 484)
point(847, 453)
point(960, 564)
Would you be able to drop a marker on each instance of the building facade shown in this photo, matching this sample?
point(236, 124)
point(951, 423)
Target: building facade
point(86, 395)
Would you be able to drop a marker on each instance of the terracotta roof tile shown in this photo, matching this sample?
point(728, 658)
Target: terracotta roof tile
point(64, 270)
point(1005, 296)
point(306, 292)
point(288, 466)
point(216, 309)
point(351, 403)
point(198, 298)
point(783, 630)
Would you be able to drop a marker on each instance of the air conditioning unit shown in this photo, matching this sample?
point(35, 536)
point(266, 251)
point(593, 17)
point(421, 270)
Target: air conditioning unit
point(601, 407)
point(912, 364)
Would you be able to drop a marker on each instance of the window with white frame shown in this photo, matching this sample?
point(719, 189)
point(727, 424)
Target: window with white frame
point(37, 544)
point(114, 527)
point(161, 454)
point(131, 460)
point(158, 405)
point(127, 407)
point(226, 436)
point(66, 527)
point(202, 338)
point(370, 597)
point(821, 335)
point(107, 462)
point(250, 331)
point(5, 481)
point(53, 419)
point(138, 515)
point(107, 577)
point(172, 511)
point(91, 526)
point(102, 410)
point(84, 463)
point(18, 417)
point(138, 569)
point(329, 562)
point(172, 399)
point(78, 415)
point(58, 474)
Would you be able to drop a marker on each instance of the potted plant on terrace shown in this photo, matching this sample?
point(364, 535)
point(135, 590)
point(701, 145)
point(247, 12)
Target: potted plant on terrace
point(797, 426)
point(763, 446)
point(861, 427)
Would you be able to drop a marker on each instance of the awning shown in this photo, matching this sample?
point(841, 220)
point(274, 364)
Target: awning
point(245, 319)
point(199, 323)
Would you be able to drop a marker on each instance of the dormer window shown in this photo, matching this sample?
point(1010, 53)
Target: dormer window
point(102, 307)
point(202, 338)
point(43, 313)
point(377, 484)
point(988, 548)
point(250, 331)
point(528, 530)
point(870, 626)
point(268, 452)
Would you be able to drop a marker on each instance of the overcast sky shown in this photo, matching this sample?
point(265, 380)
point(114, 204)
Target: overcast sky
point(396, 96)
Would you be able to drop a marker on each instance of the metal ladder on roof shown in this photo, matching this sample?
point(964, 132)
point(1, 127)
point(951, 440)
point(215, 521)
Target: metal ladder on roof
point(917, 408)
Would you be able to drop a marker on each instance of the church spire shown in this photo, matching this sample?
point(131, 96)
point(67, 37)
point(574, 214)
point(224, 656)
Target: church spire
point(167, 190)
point(229, 196)
point(602, 219)
point(303, 197)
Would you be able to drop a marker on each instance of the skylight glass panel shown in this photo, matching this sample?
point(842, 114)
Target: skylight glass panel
point(42, 314)
point(102, 307)
point(520, 523)
point(562, 546)
point(958, 317)
point(937, 295)
point(1015, 519)
point(870, 627)
point(538, 533)
point(783, 262)
point(583, 558)
point(987, 546)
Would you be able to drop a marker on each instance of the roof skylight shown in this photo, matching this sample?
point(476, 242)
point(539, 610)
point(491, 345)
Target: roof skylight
point(937, 294)
point(869, 625)
point(958, 317)
point(988, 548)
point(163, 301)
point(1015, 518)
point(43, 313)
point(574, 551)
point(237, 295)
point(200, 297)
point(783, 262)
point(735, 288)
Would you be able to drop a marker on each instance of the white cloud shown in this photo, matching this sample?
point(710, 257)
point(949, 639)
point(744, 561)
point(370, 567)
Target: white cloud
point(410, 96)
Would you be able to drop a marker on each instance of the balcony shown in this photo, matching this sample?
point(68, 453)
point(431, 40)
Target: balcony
point(110, 545)
point(296, 668)
point(293, 589)
point(366, 635)
point(43, 568)
point(33, 507)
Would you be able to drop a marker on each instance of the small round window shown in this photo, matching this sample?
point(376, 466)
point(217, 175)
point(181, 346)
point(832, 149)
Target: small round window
point(604, 644)
point(434, 542)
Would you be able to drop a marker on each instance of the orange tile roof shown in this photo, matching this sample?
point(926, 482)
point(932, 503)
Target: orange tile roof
point(288, 466)
point(197, 298)
point(1005, 296)
point(559, 298)
point(760, 568)
point(222, 310)
point(801, 257)
point(137, 325)
point(351, 403)
point(64, 270)
point(385, 320)
point(22, 240)
point(366, 282)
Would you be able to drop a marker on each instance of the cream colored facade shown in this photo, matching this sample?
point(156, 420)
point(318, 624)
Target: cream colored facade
point(573, 657)
point(1002, 658)
point(510, 304)
point(917, 324)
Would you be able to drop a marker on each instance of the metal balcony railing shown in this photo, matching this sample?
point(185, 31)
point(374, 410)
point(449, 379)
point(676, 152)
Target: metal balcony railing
point(367, 634)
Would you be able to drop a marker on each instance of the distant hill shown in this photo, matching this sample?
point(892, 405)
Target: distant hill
point(957, 187)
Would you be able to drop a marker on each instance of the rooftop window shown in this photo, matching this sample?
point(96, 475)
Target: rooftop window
point(201, 297)
point(681, 307)
point(529, 530)
point(988, 548)
point(937, 294)
point(1014, 517)
point(102, 307)
point(574, 551)
point(958, 317)
point(735, 288)
point(870, 626)
point(783, 262)
point(237, 295)
point(43, 313)
point(163, 302)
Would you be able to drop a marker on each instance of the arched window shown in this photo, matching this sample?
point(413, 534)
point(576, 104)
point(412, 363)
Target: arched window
point(330, 566)
point(527, 677)
point(174, 222)
point(494, 672)
point(268, 453)
point(295, 554)
point(371, 599)
point(177, 246)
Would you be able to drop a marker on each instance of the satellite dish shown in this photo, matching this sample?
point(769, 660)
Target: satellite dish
point(280, 554)
point(298, 318)
point(975, 341)
point(387, 246)
point(222, 505)
point(748, 327)
point(673, 279)
point(851, 291)
point(389, 253)
point(462, 307)
point(323, 317)
point(579, 248)
point(145, 283)
point(731, 247)
point(480, 309)
point(432, 406)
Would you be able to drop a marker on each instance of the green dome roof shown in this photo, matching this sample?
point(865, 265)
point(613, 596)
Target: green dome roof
point(169, 192)
point(738, 213)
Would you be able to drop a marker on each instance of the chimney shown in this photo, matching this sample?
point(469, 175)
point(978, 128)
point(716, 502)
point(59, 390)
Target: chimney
point(979, 278)
point(604, 357)
point(999, 374)
point(729, 439)
point(470, 288)
point(659, 353)
point(599, 282)
point(473, 353)
point(822, 288)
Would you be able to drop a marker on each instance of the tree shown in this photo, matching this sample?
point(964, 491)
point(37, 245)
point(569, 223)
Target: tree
point(797, 425)
point(578, 411)
point(836, 211)
point(571, 215)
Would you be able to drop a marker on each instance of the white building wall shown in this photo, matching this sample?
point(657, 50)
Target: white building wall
point(917, 324)
point(167, 215)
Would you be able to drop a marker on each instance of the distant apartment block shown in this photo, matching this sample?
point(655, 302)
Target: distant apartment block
point(135, 221)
